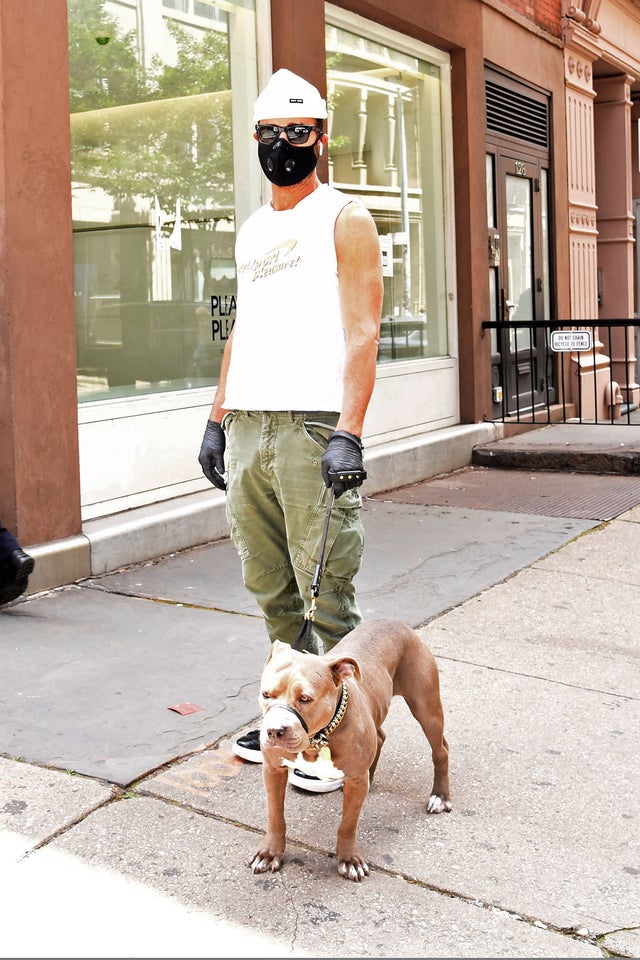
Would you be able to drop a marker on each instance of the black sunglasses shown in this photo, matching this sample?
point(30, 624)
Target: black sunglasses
point(296, 133)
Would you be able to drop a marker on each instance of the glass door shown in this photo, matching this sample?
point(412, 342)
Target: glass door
point(519, 282)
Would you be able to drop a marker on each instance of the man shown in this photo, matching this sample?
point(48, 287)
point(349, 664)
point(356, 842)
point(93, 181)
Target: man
point(16, 567)
point(296, 379)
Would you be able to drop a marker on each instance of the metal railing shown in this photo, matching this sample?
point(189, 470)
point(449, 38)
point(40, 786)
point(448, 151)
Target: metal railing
point(567, 395)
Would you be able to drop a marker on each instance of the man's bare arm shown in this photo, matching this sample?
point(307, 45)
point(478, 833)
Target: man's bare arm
point(361, 292)
point(217, 410)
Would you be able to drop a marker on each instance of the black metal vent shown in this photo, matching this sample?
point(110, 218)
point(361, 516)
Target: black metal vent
point(513, 114)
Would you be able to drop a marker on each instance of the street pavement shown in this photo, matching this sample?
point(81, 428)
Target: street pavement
point(126, 825)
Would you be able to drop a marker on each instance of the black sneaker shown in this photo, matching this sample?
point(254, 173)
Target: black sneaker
point(305, 781)
point(248, 747)
point(14, 575)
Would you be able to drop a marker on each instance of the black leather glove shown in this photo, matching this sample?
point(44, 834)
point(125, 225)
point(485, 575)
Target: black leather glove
point(342, 465)
point(211, 456)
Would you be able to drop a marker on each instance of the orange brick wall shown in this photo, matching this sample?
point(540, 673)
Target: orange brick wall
point(544, 13)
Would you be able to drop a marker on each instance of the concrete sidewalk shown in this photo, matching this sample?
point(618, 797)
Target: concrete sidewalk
point(127, 827)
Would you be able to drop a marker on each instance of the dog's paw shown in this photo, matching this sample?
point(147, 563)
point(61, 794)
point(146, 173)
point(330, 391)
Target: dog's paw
point(437, 804)
point(354, 869)
point(263, 861)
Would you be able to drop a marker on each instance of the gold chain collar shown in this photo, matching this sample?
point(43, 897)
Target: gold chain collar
point(321, 738)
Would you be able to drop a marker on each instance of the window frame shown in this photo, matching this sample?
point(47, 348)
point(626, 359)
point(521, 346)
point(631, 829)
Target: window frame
point(368, 30)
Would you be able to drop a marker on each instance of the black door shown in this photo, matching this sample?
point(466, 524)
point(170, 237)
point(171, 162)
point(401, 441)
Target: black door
point(523, 370)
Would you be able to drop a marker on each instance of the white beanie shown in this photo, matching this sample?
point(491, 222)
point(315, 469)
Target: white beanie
point(286, 95)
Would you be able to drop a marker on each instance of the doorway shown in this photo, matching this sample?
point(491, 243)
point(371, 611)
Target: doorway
point(520, 283)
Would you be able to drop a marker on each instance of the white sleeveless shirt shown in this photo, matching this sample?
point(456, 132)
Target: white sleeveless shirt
point(288, 341)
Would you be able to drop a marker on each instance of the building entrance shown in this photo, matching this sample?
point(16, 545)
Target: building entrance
point(517, 177)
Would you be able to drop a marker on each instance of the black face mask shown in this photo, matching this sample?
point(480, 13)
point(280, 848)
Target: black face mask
point(285, 165)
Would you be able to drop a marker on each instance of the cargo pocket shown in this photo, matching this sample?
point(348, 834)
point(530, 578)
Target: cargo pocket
point(345, 542)
point(237, 537)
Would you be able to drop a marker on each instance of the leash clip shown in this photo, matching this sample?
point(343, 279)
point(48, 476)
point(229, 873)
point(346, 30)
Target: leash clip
point(319, 741)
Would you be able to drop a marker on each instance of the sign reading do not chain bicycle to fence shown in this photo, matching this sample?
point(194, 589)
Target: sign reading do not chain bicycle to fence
point(572, 340)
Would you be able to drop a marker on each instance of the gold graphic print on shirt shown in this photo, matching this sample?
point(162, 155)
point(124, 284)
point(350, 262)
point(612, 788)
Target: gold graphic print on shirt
point(273, 261)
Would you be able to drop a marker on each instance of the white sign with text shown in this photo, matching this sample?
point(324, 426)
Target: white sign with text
point(573, 340)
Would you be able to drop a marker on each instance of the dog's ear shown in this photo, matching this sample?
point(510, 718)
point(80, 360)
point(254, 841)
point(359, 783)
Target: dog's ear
point(345, 667)
point(275, 646)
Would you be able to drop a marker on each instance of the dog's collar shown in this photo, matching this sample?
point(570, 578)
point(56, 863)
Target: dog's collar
point(321, 738)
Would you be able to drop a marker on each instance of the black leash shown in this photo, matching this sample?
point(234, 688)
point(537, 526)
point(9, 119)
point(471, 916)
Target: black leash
point(303, 643)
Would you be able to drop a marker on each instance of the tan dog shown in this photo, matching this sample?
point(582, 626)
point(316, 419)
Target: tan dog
point(303, 703)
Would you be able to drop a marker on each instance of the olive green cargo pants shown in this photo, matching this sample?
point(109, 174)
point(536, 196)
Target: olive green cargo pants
point(276, 509)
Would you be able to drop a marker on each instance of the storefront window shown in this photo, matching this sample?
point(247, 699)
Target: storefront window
point(387, 146)
point(155, 187)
